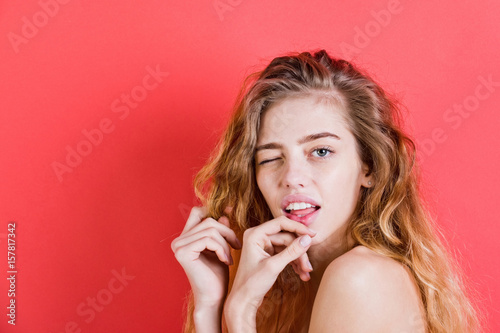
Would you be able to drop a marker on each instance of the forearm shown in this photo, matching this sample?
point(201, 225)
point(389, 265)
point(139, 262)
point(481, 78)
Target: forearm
point(207, 319)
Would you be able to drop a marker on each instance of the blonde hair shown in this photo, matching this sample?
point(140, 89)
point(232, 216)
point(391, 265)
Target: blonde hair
point(390, 217)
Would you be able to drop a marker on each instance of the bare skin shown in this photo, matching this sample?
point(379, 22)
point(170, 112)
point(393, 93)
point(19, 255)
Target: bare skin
point(314, 157)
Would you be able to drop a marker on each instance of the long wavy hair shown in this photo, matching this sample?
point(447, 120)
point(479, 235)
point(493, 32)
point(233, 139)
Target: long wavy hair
point(390, 218)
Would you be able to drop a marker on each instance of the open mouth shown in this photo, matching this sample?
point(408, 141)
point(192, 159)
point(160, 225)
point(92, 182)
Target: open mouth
point(302, 212)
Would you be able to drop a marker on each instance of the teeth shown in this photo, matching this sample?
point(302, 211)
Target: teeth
point(298, 205)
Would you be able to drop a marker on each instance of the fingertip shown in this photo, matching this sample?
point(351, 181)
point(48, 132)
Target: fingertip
point(224, 220)
point(305, 277)
point(309, 266)
point(239, 243)
point(229, 259)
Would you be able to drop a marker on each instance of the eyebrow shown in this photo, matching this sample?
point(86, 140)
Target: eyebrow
point(308, 138)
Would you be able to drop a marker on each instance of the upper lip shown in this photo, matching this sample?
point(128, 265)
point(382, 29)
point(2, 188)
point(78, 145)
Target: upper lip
point(297, 198)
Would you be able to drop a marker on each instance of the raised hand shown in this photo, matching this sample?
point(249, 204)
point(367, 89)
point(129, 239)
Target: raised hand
point(203, 251)
point(260, 265)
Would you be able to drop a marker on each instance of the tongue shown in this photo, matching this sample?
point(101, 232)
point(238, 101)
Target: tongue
point(303, 211)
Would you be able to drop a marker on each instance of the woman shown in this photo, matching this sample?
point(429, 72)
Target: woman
point(311, 217)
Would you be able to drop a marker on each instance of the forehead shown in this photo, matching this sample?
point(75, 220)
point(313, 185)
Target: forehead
point(296, 116)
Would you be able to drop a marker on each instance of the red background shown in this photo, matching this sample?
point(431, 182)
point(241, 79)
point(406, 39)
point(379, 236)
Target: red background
point(123, 203)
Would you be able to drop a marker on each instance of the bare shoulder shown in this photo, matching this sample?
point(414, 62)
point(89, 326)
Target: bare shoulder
point(363, 291)
point(362, 262)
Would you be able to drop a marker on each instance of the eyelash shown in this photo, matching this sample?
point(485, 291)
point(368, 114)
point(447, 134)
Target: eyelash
point(328, 149)
point(267, 161)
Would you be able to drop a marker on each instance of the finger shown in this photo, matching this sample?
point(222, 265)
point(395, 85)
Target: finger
point(286, 238)
point(298, 269)
point(305, 276)
point(191, 251)
point(304, 263)
point(298, 247)
point(225, 231)
point(269, 247)
point(302, 275)
point(301, 272)
point(283, 223)
point(295, 268)
point(195, 216)
point(224, 220)
point(282, 239)
point(210, 233)
point(278, 242)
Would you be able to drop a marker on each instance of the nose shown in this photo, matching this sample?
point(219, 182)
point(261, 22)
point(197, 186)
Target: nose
point(294, 174)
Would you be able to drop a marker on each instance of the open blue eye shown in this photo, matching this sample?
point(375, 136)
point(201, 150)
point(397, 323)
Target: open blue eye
point(323, 152)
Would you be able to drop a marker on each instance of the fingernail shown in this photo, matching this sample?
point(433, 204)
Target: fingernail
point(305, 240)
point(239, 243)
point(309, 265)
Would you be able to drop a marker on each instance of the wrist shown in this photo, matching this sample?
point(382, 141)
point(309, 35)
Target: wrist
point(240, 315)
point(207, 319)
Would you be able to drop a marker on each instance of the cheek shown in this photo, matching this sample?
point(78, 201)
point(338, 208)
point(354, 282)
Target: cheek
point(341, 188)
point(259, 180)
point(266, 178)
point(263, 184)
point(267, 186)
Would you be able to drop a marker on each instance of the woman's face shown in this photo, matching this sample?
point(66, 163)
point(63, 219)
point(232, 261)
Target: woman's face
point(307, 166)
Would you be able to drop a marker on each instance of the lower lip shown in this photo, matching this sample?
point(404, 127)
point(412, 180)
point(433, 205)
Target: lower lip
point(306, 219)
